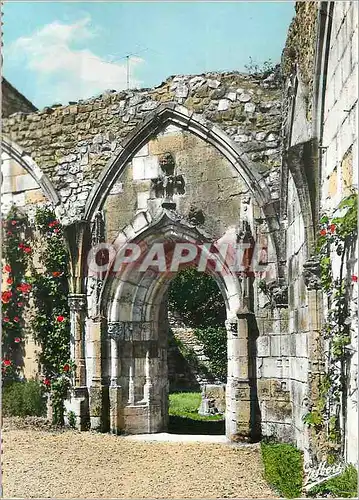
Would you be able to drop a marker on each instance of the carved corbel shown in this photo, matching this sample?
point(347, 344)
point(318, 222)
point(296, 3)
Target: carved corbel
point(311, 274)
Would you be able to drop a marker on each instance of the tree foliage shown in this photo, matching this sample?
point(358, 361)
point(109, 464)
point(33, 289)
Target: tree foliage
point(197, 299)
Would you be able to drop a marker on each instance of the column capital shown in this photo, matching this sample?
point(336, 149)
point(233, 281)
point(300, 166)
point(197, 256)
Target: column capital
point(77, 301)
point(311, 273)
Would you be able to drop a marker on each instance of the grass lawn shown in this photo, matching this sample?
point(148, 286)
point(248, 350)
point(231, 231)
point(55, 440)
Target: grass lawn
point(185, 419)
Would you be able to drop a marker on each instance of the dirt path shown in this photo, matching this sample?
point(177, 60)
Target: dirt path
point(71, 464)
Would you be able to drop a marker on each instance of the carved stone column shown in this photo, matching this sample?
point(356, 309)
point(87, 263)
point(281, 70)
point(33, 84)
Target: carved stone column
point(316, 366)
point(78, 402)
point(77, 304)
point(115, 332)
point(238, 394)
point(99, 390)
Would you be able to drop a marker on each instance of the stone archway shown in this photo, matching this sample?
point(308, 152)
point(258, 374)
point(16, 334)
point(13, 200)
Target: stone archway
point(15, 152)
point(132, 304)
point(93, 376)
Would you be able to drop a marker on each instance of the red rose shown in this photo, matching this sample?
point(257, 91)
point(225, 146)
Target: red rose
point(13, 222)
point(6, 319)
point(56, 274)
point(332, 228)
point(20, 304)
point(7, 268)
point(24, 288)
point(5, 296)
point(60, 319)
point(16, 319)
point(47, 382)
point(27, 249)
point(9, 233)
point(17, 340)
point(66, 367)
point(323, 232)
point(7, 362)
point(56, 230)
point(9, 281)
point(354, 279)
point(21, 245)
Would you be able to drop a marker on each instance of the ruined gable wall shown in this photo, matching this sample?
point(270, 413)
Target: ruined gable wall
point(12, 101)
point(213, 191)
point(72, 144)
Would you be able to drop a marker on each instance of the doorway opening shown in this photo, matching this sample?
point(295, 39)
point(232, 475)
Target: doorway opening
point(197, 354)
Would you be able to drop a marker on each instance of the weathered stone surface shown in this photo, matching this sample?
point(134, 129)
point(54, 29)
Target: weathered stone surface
point(101, 124)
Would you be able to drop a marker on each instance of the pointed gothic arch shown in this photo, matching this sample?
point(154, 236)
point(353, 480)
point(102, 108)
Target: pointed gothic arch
point(174, 114)
point(25, 161)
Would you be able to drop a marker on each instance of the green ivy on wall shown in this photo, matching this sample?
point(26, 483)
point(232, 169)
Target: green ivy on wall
point(16, 253)
point(38, 276)
point(338, 235)
point(51, 322)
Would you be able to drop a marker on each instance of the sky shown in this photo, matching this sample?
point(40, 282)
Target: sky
point(56, 52)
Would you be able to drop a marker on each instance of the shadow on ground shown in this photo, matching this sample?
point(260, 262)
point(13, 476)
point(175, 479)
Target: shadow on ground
point(184, 425)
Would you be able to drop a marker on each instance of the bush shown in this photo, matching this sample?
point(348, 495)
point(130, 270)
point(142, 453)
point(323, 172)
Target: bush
point(214, 341)
point(344, 485)
point(197, 298)
point(283, 468)
point(21, 399)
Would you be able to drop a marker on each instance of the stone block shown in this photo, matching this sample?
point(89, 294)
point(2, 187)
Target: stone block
point(280, 390)
point(270, 368)
point(10, 167)
point(264, 388)
point(116, 410)
point(166, 143)
point(249, 107)
point(144, 151)
point(277, 412)
point(298, 369)
point(19, 199)
point(301, 348)
point(263, 346)
point(142, 200)
point(244, 97)
point(139, 222)
point(138, 168)
point(275, 343)
point(8, 184)
point(35, 196)
point(238, 368)
point(223, 104)
point(287, 345)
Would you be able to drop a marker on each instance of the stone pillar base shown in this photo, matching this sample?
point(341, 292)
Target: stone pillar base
point(238, 411)
point(116, 410)
point(99, 408)
point(78, 403)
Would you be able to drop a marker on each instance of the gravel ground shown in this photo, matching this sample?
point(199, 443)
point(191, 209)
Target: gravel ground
point(40, 463)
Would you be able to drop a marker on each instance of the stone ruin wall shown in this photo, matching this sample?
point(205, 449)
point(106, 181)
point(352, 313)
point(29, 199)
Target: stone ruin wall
point(73, 143)
point(213, 193)
point(331, 170)
point(13, 101)
point(340, 160)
